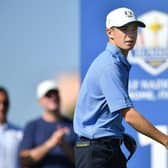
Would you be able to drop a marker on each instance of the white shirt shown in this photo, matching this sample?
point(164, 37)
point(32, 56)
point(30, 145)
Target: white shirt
point(10, 137)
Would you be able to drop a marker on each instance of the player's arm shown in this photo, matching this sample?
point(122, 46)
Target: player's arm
point(137, 121)
point(32, 156)
point(118, 99)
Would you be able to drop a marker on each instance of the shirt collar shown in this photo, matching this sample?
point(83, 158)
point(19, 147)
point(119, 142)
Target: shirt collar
point(115, 50)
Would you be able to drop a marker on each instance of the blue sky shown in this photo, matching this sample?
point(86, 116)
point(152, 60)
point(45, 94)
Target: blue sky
point(38, 40)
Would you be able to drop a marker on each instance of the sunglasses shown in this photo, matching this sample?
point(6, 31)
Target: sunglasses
point(52, 93)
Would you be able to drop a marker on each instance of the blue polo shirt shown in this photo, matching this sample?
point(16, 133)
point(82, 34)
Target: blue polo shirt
point(103, 93)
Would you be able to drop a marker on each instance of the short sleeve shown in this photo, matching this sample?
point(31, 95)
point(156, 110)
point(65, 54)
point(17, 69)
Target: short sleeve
point(28, 134)
point(113, 86)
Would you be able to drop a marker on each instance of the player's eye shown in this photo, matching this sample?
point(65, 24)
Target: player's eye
point(124, 28)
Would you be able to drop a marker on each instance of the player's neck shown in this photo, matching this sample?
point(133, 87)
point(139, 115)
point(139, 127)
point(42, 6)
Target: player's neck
point(124, 52)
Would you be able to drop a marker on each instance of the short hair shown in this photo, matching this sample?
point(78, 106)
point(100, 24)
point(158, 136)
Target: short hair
point(4, 90)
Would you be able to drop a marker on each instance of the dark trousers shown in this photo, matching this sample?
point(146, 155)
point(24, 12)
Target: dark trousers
point(99, 154)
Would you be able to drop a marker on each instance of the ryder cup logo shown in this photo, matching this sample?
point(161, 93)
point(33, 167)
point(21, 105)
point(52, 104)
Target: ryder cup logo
point(151, 50)
point(129, 13)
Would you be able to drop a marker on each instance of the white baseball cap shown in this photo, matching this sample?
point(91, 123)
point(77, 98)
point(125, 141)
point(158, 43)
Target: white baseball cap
point(120, 17)
point(46, 86)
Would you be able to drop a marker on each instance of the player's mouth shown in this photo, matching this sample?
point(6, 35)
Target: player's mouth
point(130, 42)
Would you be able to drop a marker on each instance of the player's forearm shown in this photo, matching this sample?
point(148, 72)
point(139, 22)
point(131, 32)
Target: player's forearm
point(137, 121)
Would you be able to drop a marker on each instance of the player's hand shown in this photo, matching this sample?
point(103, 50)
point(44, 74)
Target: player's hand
point(57, 137)
point(130, 144)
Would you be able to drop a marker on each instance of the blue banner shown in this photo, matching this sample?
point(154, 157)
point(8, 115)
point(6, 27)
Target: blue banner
point(148, 85)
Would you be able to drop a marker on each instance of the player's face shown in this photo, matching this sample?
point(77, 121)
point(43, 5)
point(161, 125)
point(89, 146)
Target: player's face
point(3, 107)
point(51, 101)
point(125, 37)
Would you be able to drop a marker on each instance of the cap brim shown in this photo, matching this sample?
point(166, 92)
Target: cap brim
point(139, 23)
point(51, 89)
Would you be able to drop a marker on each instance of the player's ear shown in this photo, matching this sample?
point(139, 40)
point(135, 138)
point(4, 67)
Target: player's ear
point(110, 32)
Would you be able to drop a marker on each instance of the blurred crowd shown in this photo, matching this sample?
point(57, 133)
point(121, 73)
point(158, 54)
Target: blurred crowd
point(44, 142)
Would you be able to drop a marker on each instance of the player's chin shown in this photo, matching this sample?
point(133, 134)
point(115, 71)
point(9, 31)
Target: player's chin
point(129, 46)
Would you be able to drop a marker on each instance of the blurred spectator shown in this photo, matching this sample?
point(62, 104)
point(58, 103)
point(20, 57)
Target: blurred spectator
point(48, 141)
point(10, 135)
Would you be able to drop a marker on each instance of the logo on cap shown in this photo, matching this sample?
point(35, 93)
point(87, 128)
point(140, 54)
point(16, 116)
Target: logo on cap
point(151, 50)
point(129, 13)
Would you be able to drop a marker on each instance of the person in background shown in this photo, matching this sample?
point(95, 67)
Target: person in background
point(10, 135)
point(49, 140)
